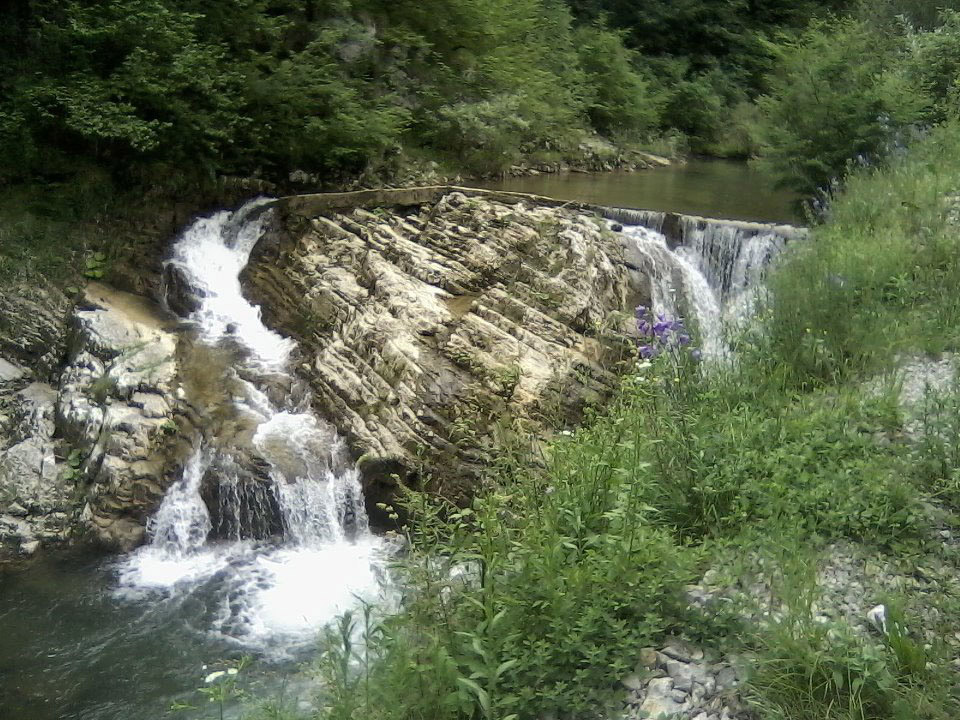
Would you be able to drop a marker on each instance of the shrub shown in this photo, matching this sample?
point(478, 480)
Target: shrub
point(837, 95)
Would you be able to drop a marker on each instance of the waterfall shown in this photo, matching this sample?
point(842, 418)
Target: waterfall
point(267, 523)
point(709, 272)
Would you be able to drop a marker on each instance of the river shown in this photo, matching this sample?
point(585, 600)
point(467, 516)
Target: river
point(84, 637)
point(711, 188)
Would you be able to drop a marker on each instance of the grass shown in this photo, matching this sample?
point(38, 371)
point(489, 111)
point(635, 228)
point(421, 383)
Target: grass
point(879, 277)
point(572, 567)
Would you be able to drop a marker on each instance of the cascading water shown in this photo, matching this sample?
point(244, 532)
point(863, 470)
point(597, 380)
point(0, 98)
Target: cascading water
point(266, 529)
point(712, 275)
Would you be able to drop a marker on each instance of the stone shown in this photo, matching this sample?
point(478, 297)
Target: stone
point(649, 659)
point(439, 314)
point(726, 679)
point(682, 675)
point(878, 618)
point(632, 682)
point(659, 703)
point(682, 653)
point(10, 372)
point(32, 327)
point(118, 397)
point(29, 548)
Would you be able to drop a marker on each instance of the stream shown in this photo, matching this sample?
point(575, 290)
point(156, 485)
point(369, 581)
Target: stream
point(711, 188)
point(254, 563)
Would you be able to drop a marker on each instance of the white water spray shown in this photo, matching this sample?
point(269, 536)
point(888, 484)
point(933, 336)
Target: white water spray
point(713, 278)
point(272, 593)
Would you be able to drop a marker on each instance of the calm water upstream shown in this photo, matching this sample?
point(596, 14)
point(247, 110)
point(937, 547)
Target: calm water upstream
point(712, 188)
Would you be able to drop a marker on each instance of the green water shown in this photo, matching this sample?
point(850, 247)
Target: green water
point(70, 650)
point(712, 188)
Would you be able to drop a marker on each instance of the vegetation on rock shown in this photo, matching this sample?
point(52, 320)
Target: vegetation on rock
point(537, 599)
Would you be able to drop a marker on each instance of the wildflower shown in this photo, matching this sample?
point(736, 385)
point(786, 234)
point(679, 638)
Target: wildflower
point(660, 333)
point(214, 676)
point(878, 618)
point(232, 671)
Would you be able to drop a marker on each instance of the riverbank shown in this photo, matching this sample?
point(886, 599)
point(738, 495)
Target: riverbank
point(794, 516)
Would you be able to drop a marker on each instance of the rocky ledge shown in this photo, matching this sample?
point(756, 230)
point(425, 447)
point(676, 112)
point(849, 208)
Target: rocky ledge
point(434, 325)
point(92, 448)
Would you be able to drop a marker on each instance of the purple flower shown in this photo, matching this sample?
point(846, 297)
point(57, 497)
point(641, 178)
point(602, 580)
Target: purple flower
point(659, 333)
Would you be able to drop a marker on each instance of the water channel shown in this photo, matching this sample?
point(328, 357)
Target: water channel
point(84, 637)
point(711, 188)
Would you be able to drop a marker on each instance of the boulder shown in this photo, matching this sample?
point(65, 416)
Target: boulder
point(119, 409)
point(431, 332)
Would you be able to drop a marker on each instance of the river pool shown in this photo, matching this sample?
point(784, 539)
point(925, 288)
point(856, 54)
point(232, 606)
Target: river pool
point(712, 188)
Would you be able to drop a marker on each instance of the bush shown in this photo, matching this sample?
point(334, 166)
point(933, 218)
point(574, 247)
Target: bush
point(838, 94)
point(876, 279)
point(620, 103)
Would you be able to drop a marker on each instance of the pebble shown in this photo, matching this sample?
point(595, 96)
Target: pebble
point(649, 658)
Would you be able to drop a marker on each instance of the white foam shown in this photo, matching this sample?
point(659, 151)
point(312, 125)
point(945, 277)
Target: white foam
point(274, 594)
point(715, 277)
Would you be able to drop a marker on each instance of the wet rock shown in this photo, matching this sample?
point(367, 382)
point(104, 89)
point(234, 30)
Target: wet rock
point(33, 496)
point(423, 325)
point(181, 297)
point(118, 408)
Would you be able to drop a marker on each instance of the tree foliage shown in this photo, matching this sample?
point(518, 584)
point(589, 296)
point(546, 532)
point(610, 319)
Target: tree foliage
point(268, 86)
point(850, 90)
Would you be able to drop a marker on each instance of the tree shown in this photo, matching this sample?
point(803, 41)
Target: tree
point(838, 95)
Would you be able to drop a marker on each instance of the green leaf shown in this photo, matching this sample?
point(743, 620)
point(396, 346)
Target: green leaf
point(482, 696)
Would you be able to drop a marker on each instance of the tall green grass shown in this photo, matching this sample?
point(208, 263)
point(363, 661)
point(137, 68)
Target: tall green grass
point(879, 278)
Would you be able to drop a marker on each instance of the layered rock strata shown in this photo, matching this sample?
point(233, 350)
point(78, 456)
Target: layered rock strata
point(95, 452)
point(433, 330)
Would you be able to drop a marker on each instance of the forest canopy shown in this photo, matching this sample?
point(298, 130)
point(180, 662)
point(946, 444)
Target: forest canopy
point(142, 88)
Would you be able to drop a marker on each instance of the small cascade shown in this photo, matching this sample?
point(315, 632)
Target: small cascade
point(268, 523)
point(182, 523)
point(732, 258)
point(709, 272)
point(677, 287)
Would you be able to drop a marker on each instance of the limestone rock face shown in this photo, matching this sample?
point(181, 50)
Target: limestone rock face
point(430, 332)
point(35, 501)
point(118, 409)
point(32, 328)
